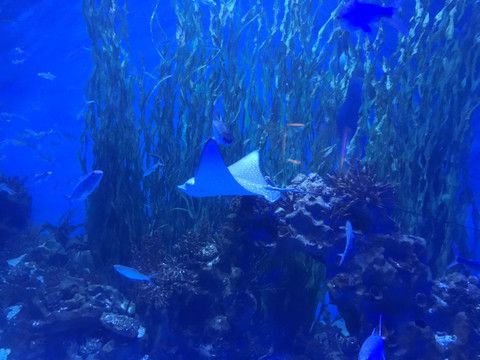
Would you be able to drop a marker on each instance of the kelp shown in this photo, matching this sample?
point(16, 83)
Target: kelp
point(417, 118)
point(115, 211)
point(261, 67)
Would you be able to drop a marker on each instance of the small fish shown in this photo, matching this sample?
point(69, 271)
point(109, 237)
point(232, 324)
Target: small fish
point(350, 237)
point(362, 15)
point(373, 347)
point(37, 135)
point(296, 125)
point(153, 168)
point(15, 261)
point(6, 189)
point(86, 186)
point(132, 273)
point(11, 142)
point(47, 76)
point(294, 162)
point(19, 56)
point(221, 133)
point(9, 117)
point(470, 263)
point(41, 177)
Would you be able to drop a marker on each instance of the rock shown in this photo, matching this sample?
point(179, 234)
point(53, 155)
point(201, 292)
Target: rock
point(74, 304)
point(123, 325)
point(51, 252)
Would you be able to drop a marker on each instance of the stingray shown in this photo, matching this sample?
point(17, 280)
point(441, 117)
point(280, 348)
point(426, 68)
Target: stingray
point(243, 178)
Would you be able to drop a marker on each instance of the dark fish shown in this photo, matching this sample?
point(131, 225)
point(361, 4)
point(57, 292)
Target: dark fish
point(221, 133)
point(470, 263)
point(86, 186)
point(373, 347)
point(362, 15)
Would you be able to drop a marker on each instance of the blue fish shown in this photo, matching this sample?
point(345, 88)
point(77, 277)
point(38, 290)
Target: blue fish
point(132, 273)
point(6, 189)
point(373, 347)
point(362, 15)
point(153, 169)
point(470, 263)
point(41, 177)
point(86, 186)
point(350, 237)
point(221, 133)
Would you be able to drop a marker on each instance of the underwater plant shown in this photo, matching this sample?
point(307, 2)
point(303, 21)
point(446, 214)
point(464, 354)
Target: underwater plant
point(417, 116)
point(115, 211)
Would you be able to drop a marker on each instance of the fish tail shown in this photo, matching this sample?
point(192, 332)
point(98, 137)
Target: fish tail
point(380, 326)
point(455, 256)
point(392, 17)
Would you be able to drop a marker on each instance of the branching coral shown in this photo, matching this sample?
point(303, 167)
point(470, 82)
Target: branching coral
point(364, 200)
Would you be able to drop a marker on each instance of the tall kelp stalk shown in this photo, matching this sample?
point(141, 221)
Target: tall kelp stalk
point(115, 211)
point(260, 69)
point(417, 117)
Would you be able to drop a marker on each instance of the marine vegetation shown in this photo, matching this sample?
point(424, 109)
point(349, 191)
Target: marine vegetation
point(345, 198)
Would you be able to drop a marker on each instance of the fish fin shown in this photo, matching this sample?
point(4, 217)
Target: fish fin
point(342, 259)
point(452, 264)
point(311, 327)
point(397, 23)
point(366, 28)
point(380, 326)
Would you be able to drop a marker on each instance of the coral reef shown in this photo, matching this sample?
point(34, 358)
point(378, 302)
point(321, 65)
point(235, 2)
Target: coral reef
point(50, 292)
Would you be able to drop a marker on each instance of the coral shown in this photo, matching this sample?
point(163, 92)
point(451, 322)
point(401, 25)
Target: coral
point(453, 313)
point(122, 325)
point(47, 296)
point(386, 272)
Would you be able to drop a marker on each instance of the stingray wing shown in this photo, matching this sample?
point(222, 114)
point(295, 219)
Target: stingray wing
point(212, 177)
point(246, 172)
